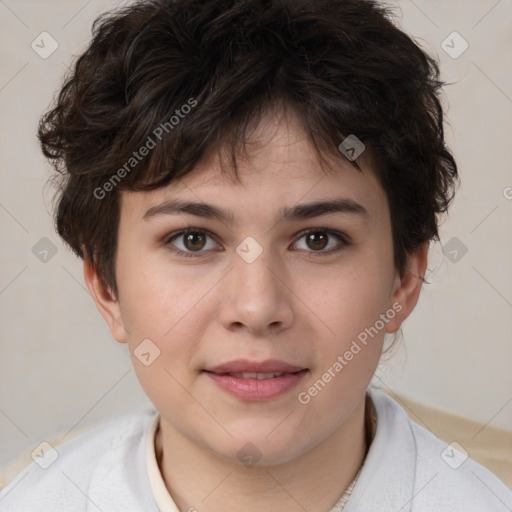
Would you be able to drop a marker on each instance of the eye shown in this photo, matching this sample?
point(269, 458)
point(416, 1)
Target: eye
point(193, 240)
point(319, 238)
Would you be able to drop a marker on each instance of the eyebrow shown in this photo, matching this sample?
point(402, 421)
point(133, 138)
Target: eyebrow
point(298, 212)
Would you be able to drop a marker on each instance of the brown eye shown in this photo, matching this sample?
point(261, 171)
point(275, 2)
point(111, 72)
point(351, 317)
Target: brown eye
point(190, 242)
point(194, 241)
point(317, 240)
point(323, 241)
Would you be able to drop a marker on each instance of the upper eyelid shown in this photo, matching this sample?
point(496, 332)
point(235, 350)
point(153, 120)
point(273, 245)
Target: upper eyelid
point(182, 232)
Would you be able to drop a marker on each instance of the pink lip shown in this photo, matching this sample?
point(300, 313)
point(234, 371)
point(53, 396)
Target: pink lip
point(247, 366)
point(254, 389)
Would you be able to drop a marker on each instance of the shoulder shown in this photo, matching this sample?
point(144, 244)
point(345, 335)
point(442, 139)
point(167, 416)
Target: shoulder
point(452, 480)
point(445, 476)
point(60, 478)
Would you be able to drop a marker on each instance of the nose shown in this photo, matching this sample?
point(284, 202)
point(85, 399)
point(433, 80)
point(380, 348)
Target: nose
point(256, 296)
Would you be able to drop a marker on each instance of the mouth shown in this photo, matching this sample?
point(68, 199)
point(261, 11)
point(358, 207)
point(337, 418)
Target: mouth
point(257, 376)
point(256, 381)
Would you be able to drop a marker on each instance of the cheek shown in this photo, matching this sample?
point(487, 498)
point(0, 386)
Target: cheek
point(167, 311)
point(350, 298)
point(348, 352)
point(169, 306)
point(155, 296)
point(349, 302)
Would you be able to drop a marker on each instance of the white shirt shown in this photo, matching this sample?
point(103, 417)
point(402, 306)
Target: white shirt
point(107, 469)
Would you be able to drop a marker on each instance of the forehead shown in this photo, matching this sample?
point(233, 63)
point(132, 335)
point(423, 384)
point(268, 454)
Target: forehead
point(278, 166)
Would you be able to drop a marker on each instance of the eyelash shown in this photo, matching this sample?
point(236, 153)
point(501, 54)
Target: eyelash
point(337, 234)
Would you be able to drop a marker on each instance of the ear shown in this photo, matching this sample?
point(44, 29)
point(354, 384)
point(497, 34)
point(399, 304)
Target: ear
point(105, 301)
point(407, 288)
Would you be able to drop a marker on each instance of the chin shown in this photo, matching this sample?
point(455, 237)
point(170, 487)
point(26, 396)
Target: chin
point(258, 450)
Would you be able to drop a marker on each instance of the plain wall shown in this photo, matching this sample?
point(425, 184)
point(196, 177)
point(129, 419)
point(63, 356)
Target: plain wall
point(60, 370)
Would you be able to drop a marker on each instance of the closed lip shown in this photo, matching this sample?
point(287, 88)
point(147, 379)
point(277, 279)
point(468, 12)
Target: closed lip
point(248, 366)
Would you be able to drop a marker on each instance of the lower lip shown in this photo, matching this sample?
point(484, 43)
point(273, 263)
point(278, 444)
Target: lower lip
point(257, 390)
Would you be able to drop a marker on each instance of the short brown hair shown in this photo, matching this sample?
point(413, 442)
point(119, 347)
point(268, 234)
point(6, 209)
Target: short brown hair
point(341, 65)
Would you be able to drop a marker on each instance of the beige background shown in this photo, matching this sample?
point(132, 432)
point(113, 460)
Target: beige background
point(60, 370)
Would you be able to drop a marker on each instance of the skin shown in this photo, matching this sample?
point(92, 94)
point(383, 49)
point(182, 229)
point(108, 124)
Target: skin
point(295, 303)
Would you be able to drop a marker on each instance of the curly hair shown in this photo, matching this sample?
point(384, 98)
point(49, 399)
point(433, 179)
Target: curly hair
point(341, 65)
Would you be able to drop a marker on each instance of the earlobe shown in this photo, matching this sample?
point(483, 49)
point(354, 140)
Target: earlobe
point(105, 301)
point(407, 287)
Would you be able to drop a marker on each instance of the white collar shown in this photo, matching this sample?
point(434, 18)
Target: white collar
point(163, 499)
point(386, 482)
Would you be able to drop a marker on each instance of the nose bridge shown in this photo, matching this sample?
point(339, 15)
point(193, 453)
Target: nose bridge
point(257, 298)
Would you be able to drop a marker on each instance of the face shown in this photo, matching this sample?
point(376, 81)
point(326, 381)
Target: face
point(260, 327)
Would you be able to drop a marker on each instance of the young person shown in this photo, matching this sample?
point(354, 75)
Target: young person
point(253, 186)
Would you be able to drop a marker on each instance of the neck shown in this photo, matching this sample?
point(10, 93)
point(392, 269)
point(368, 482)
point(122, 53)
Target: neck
point(199, 479)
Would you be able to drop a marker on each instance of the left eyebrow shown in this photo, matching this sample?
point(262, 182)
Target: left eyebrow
point(310, 210)
point(298, 212)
